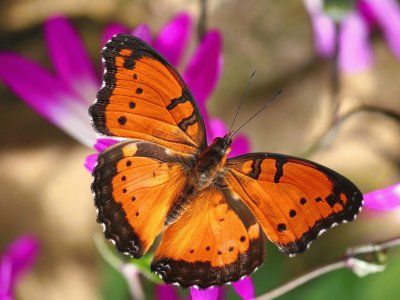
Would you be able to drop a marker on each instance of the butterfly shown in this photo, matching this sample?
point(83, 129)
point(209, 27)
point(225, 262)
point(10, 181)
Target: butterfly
point(214, 212)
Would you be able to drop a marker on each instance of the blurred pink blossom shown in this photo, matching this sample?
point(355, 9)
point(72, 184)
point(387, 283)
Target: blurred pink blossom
point(353, 32)
point(383, 199)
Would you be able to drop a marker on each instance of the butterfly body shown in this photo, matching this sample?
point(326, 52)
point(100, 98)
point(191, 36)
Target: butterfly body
point(213, 212)
point(211, 162)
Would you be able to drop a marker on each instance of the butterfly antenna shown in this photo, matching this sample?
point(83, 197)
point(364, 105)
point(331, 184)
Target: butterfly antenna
point(253, 75)
point(258, 112)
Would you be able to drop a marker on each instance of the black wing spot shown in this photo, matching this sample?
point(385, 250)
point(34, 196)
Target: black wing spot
point(292, 213)
point(122, 120)
point(303, 201)
point(279, 169)
point(174, 102)
point(186, 122)
point(123, 178)
point(318, 199)
point(133, 198)
point(242, 238)
point(332, 200)
point(255, 168)
point(129, 63)
point(128, 163)
point(139, 91)
point(132, 105)
point(281, 227)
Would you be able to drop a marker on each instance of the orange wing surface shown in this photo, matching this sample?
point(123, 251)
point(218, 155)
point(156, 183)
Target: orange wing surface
point(144, 97)
point(294, 200)
point(216, 240)
point(135, 184)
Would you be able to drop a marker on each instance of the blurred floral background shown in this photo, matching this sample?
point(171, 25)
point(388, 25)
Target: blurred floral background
point(337, 62)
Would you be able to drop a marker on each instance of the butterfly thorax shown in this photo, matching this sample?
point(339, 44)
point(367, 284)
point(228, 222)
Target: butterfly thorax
point(211, 162)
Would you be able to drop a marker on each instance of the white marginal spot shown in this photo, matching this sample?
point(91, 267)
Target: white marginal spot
point(103, 226)
point(112, 241)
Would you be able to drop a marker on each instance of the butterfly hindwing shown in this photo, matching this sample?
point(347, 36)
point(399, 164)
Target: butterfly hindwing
point(215, 241)
point(295, 200)
point(135, 184)
point(144, 97)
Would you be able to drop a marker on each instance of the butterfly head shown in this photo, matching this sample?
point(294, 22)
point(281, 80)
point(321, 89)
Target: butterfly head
point(222, 144)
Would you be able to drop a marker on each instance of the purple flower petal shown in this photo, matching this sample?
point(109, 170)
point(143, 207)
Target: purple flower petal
point(208, 294)
point(383, 199)
point(323, 28)
point(16, 259)
point(244, 288)
point(166, 292)
point(33, 84)
point(204, 68)
point(355, 52)
point(387, 14)
point(103, 144)
point(110, 31)
point(240, 145)
point(143, 32)
point(5, 277)
point(70, 58)
point(173, 38)
point(49, 97)
point(215, 128)
point(90, 162)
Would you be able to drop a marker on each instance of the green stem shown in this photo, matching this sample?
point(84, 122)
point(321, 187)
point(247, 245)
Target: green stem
point(339, 264)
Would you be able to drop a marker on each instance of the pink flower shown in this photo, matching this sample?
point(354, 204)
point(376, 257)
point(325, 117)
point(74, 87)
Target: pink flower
point(354, 49)
point(19, 256)
point(384, 199)
point(244, 288)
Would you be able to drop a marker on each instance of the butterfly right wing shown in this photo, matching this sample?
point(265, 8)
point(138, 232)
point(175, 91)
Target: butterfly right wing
point(135, 184)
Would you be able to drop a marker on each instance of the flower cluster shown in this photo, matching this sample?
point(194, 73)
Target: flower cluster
point(350, 34)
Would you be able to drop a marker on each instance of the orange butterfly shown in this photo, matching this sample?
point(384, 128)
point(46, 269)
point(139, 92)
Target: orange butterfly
point(214, 211)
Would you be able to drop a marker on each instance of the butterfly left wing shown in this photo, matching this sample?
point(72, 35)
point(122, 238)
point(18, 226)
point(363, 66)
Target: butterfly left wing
point(215, 241)
point(144, 97)
point(136, 185)
point(295, 200)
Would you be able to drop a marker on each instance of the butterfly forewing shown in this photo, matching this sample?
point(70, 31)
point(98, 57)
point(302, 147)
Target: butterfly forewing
point(294, 199)
point(144, 97)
